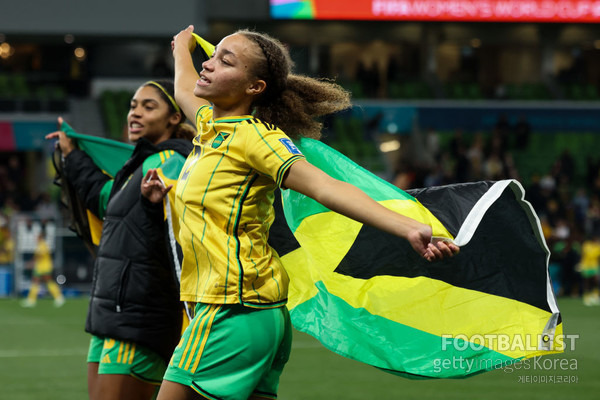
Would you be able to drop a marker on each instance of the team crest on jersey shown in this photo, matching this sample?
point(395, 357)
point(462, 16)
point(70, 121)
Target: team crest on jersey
point(290, 146)
point(221, 137)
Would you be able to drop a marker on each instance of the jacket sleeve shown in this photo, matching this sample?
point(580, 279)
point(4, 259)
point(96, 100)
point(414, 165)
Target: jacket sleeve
point(92, 185)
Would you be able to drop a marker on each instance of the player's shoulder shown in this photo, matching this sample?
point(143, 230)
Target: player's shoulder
point(169, 161)
point(163, 156)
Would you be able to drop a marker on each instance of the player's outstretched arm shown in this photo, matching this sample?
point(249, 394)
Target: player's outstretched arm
point(352, 202)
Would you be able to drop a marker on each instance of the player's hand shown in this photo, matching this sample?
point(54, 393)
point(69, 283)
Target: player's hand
point(152, 187)
point(185, 38)
point(440, 250)
point(420, 240)
point(66, 145)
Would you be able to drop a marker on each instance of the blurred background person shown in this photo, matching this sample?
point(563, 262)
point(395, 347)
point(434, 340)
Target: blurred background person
point(589, 268)
point(42, 273)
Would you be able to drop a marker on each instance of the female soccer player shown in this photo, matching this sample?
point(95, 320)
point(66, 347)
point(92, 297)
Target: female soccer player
point(243, 100)
point(42, 272)
point(134, 316)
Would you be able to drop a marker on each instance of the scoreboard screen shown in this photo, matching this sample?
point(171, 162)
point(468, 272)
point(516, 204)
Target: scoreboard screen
point(586, 11)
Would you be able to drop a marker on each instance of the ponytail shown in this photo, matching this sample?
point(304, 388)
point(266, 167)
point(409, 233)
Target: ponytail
point(292, 102)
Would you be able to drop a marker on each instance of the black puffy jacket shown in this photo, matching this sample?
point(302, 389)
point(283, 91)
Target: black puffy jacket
point(135, 290)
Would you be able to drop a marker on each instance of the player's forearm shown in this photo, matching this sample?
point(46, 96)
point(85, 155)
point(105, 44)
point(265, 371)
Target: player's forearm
point(348, 200)
point(185, 80)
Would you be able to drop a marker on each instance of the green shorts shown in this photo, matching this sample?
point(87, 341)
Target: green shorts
point(232, 351)
point(126, 358)
point(42, 274)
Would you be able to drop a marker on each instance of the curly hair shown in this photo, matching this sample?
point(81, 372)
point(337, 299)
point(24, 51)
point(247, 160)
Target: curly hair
point(166, 88)
point(291, 101)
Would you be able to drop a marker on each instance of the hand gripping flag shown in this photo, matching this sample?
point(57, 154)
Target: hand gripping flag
point(367, 295)
point(110, 156)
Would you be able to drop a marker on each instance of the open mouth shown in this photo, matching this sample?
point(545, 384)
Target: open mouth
point(135, 127)
point(203, 81)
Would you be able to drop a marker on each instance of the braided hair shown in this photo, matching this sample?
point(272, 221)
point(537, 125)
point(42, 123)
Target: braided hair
point(291, 101)
point(166, 91)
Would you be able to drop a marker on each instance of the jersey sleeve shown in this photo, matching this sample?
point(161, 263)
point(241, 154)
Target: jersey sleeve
point(271, 152)
point(168, 163)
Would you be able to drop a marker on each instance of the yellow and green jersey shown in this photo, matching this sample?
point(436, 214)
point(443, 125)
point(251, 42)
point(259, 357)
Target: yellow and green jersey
point(43, 258)
point(590, 255)
point(224, 199)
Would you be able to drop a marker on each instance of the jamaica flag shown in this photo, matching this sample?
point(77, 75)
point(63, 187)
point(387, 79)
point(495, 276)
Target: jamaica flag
point(109, 155)
point(367, 295)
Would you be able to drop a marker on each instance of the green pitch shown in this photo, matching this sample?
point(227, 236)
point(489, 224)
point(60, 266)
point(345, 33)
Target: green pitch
point(43, 352)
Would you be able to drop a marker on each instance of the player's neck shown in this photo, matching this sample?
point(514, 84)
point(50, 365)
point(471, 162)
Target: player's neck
point(231, 111)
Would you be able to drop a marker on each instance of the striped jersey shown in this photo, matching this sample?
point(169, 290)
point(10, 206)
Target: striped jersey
point(224, 199)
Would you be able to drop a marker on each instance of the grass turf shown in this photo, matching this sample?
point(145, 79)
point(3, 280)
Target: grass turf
point(43, 352)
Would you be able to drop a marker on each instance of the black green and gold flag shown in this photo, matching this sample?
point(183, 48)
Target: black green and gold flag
point(367, 295)
point(109, 155)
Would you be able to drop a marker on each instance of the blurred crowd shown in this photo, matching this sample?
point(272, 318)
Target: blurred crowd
point(16, 194)
point(568, 205)
point(16, 197)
